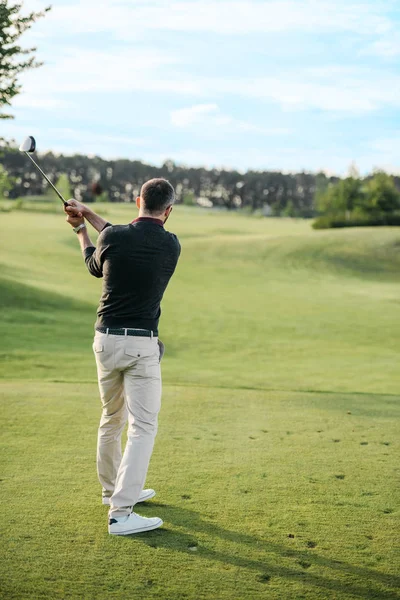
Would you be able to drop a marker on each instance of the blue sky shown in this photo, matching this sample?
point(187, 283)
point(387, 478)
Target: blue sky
point(284, 85)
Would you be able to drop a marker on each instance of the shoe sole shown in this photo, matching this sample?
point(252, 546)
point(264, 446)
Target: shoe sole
point(148, 497)
point(141, 530)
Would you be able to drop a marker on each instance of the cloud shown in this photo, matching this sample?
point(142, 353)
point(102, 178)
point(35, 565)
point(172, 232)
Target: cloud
point(335, 89)
point(73, 71)
point(41, 101)
point(361, 92)
point(112, 70)
point(68, 140)
point(293, 159)
point(125, 18)
point(208, 118)
point(188, 116)
point(387, 47)
point(388, 145)
point(66, 133)
point(142, 64)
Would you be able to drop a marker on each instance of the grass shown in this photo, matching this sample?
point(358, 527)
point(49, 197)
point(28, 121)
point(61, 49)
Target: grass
point(277, 449)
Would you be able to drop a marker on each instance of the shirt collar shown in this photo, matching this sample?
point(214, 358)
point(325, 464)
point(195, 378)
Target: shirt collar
point(151, 219)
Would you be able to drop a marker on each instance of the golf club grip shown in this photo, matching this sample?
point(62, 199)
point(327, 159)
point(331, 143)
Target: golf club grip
point(48, 180)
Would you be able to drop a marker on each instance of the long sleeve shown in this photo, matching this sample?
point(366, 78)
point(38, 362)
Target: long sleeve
point(93, 264)
point(95, 256)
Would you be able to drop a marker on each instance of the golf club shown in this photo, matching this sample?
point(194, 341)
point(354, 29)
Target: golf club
point(28, 146)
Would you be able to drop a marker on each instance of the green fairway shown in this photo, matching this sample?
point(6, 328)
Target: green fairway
point(276, 462)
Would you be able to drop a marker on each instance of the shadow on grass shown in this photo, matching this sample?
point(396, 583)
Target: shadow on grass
point(16, 295)
point(370, 581)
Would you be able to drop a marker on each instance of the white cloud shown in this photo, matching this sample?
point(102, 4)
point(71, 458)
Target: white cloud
point(115, 70)
point(65, 133)
point(387, 47)
point(276, 159)
point(140, 67)
point(125, 69)
point(188, 116)
point(42, 101)
point(389, 145)
point(207, 119)
point(128, 19)
point(64, 139)
point(335, 89)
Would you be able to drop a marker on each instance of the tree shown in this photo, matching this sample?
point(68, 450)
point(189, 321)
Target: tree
point(382, 196)
point(5, 182)
point(340, 199)
point(14, 59)
point(372, 201)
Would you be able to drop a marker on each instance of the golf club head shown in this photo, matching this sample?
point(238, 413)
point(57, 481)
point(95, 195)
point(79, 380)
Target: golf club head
point(28, 145)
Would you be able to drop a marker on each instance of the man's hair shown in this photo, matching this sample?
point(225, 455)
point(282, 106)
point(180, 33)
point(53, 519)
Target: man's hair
point(157, 194)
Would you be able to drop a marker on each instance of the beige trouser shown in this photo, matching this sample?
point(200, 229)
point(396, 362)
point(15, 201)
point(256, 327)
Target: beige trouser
point(129, 377)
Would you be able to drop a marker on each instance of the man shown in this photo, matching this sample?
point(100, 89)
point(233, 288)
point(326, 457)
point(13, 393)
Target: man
point(136, 262)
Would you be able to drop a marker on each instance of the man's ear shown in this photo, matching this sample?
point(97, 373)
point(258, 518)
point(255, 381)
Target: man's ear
point(138, 202)
point(167, 212)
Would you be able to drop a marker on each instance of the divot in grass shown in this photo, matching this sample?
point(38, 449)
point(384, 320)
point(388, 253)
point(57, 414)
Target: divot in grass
point(264, 578)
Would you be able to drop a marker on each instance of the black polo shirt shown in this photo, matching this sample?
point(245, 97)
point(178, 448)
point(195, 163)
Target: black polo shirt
point(136, 262)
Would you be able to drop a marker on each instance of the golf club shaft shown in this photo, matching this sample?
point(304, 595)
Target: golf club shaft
point(48, 180)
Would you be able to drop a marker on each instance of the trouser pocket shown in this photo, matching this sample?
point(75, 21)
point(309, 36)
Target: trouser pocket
point(161, 347)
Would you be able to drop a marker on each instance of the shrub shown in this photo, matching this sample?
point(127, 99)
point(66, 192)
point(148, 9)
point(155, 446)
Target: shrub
point(328, 222)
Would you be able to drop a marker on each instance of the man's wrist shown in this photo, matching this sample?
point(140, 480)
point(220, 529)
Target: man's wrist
point(79, 228)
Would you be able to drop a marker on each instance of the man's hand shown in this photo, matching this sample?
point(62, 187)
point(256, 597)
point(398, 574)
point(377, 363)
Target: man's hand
point(74, 221)
point(75, 208)
point(74, 211)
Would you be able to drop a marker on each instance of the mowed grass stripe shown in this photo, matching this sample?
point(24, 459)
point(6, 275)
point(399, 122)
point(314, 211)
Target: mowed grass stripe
point(285, 491)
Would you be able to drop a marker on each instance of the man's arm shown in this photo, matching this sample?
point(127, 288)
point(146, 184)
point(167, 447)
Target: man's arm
point(77, 209)
point(84, 240)
point(87, 247)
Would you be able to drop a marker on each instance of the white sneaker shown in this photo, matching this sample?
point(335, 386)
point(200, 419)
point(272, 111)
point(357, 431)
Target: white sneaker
point(132, 524)
point(145, 495)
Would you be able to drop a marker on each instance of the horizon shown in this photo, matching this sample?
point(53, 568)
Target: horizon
point(351, 167)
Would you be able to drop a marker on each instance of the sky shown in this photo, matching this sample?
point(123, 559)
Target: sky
point(250, 84)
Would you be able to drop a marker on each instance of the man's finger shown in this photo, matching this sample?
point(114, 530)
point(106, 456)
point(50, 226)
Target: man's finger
point(74, 212)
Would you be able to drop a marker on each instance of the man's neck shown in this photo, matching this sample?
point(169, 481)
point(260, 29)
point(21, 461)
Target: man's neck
point(148, 216)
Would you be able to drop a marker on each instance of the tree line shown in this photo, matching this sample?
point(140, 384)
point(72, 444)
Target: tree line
point(92, 178)
point(354, 201)
point(337, 202)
